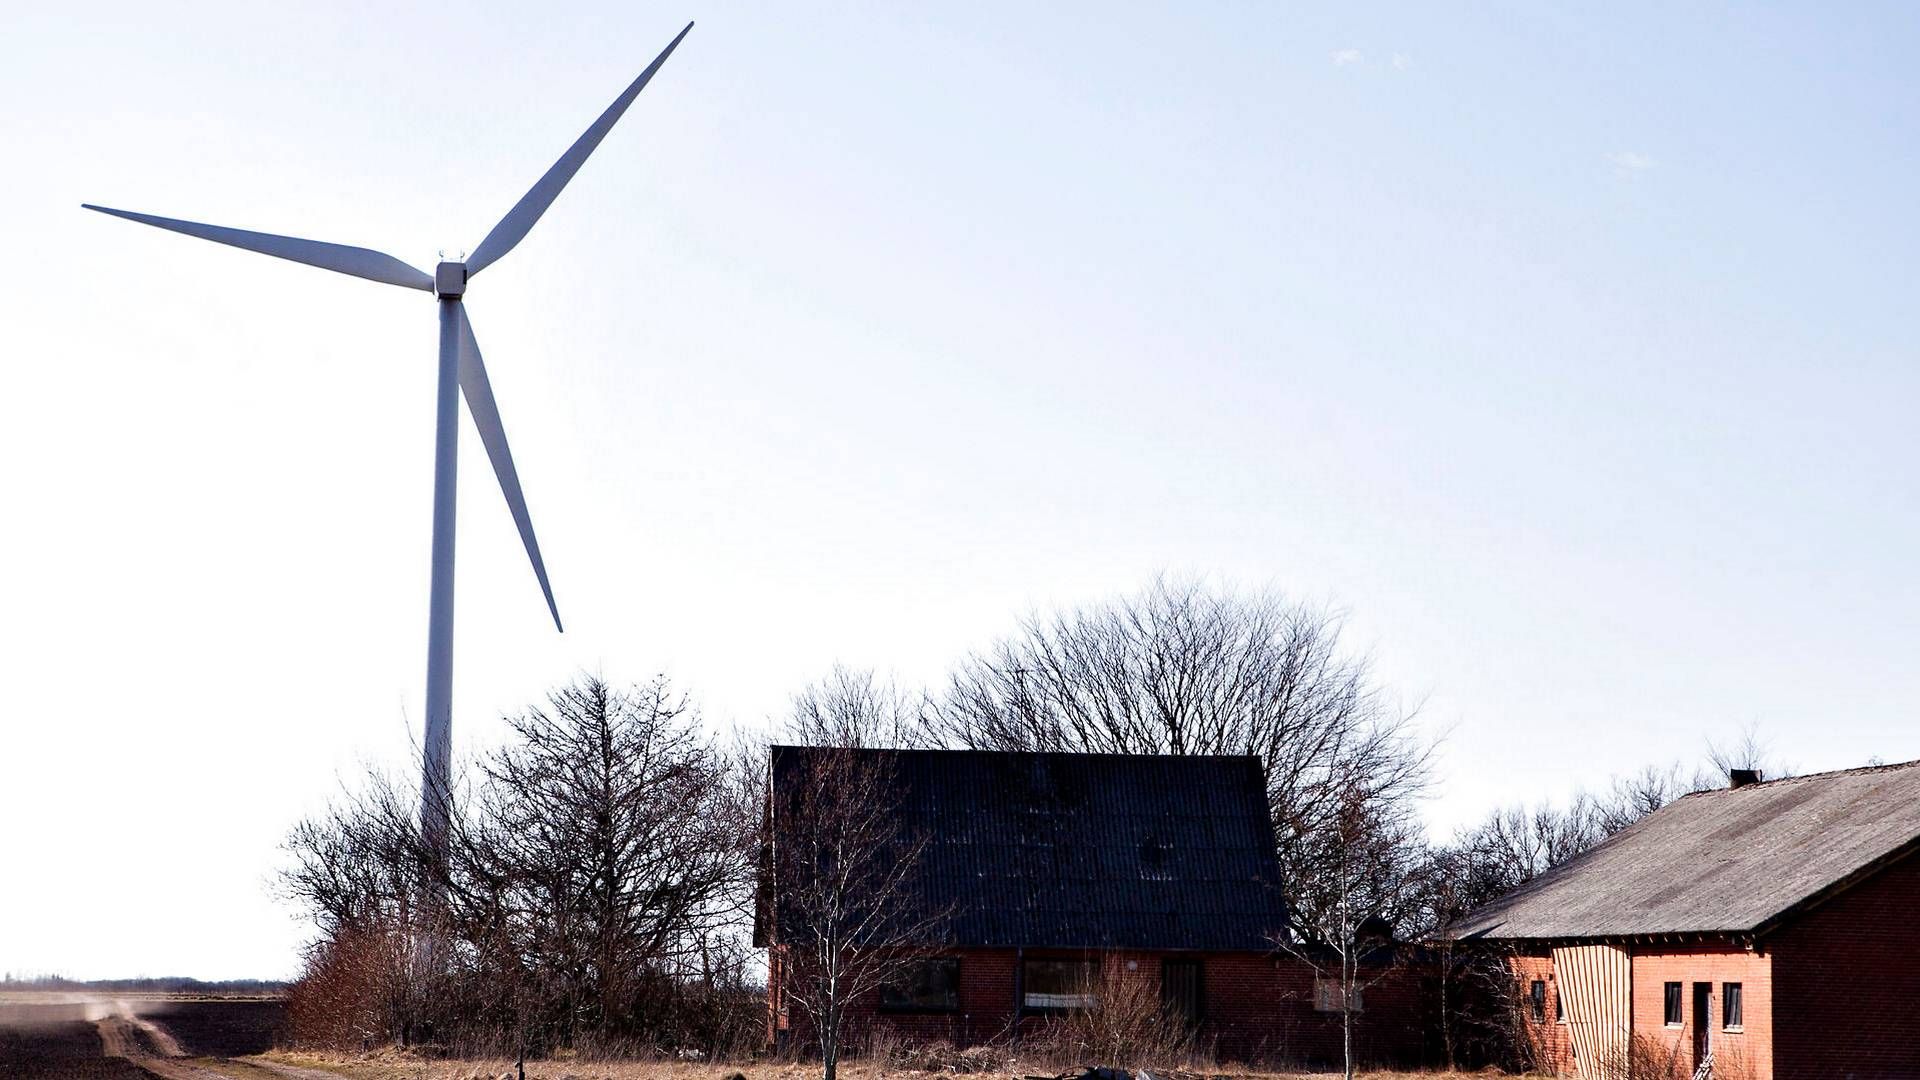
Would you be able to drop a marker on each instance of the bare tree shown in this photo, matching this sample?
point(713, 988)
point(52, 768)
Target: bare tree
point(1517, 844)
point(854, 707)
point(1365, 876)
point(1184, 668)
point(587, 878)
point(1747, 749)
point(847, 912)
point(606, 818)
point(357, 868)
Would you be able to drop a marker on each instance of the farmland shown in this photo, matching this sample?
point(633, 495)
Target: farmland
point(97, 1037)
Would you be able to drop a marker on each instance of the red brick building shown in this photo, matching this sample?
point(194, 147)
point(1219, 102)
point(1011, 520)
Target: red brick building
point(1062, 870)
point(1774, 925)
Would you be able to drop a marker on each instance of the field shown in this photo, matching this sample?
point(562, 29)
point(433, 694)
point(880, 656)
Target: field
point(83, 1037)
point(94, 1037)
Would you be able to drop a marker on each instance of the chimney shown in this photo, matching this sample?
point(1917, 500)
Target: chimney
point(1739, 778)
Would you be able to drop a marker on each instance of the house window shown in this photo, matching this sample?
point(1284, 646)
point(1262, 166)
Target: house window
point(927, 986)
point(1673, 1004)
point(1059, 984)
point(1537, 1001)
point(1732, 1007)
point(1328, 997)
point(1559, 1006)
point(1180, 983)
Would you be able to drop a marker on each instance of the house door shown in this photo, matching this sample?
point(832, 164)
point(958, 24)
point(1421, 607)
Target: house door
point(1702, 1021)
point(1180, 990)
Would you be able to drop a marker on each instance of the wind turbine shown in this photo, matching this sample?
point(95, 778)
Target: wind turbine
point(461, 373)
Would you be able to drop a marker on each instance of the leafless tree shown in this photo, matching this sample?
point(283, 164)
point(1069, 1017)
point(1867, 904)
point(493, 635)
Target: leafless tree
point(854, 707)
point(591, 870)
point(357, 869)
point(606, 818)
point(1186, 668)
point(1517, 844)
point(1364, 876)
point(1746, 749)
point(847, 910)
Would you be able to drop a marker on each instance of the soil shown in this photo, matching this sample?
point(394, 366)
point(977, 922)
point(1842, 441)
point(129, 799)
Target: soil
point(85, 1037)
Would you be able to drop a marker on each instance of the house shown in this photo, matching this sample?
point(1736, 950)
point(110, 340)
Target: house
point(1775, 925)
point(1060, 871)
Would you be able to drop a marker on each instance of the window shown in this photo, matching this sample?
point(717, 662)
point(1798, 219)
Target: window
point(1327, 997)
point(1673, 1004)
point(1731, 1007)
point(1537, 1001)
point(1180, 982)
point(1059, 984)
point(1559, 1006)
point(928, 986)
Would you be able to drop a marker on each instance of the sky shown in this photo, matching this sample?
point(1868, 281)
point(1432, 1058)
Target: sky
point(1569, 353)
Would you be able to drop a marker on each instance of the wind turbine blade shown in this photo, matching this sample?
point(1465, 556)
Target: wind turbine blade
point(486, 417)
point(514, 226)
point(359, 262)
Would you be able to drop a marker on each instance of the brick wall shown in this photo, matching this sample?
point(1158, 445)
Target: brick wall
point(1738, 1055)
point(1549, 1041)
point(1746, 1054)
point(1256, 1007)
point(1847, 984)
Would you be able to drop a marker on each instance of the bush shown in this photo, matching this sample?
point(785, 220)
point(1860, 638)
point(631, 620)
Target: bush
point(1128, 1028)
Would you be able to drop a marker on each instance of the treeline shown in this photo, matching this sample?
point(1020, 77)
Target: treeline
point(156, 984)
point(597, 887)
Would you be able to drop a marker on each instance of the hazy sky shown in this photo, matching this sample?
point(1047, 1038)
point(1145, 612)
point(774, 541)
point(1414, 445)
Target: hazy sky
point(1575, 358)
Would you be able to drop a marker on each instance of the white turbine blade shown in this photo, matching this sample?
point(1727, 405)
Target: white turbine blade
point(486, 417)
point(514, 226)
point(360, 262)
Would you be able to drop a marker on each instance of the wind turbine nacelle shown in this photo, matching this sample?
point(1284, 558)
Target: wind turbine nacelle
point(450, 280)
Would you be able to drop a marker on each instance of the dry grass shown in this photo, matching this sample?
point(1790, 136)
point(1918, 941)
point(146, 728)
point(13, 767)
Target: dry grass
point(398, 1065)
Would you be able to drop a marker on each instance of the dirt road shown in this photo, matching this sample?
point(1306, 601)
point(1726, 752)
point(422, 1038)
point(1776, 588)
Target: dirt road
point(82, 1037)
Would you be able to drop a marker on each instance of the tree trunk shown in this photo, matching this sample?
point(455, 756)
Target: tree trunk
point(1346, 1036)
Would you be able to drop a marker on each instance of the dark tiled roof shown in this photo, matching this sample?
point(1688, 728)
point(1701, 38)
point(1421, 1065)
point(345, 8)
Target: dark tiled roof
point(1087, 850)
point(1719, 862)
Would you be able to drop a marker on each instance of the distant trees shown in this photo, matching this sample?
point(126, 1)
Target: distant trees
point(1515, 844)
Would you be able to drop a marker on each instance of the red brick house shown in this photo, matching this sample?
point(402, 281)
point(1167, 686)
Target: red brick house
point(1059, 868)
point(1774, 925)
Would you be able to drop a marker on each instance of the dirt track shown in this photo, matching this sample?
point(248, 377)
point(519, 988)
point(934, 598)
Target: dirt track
point(124, 1034)
point(78, 1037)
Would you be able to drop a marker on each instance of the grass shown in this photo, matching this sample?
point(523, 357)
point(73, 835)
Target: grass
point(399, 1065)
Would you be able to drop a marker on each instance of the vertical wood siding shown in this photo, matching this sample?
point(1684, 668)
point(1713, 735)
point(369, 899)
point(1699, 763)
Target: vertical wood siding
point(1596, 987)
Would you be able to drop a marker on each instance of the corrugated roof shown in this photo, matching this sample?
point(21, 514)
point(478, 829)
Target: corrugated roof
point(1088, 850)
point(1727, 861)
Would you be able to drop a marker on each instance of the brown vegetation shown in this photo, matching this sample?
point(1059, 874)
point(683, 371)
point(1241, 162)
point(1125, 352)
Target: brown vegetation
point(394, 1065)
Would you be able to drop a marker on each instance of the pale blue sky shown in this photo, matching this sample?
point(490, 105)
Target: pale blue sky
point(1572, 353)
